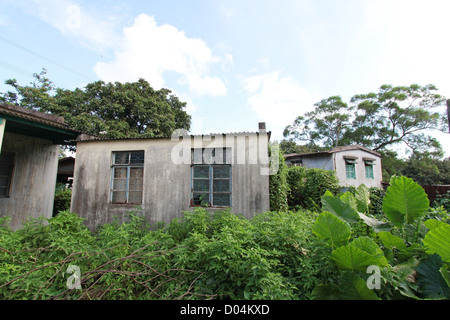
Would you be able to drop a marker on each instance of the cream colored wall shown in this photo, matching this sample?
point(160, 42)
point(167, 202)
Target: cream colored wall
point(359, 167)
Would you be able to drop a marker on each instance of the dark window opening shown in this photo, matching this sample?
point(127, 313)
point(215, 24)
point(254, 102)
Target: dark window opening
point(6, 173)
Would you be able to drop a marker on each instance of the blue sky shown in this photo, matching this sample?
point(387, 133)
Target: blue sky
point(235, 62)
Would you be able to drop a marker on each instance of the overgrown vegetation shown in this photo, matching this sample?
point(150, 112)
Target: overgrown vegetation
point(329, 253)
point(306, 186)
point(409, 249)
point(199, 256)
point(62, 199)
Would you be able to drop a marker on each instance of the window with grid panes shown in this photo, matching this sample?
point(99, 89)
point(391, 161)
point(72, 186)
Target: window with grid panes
point(211, 177)
point(368, 166)
point(6, 172)
point(127, 177)
point(350, 170)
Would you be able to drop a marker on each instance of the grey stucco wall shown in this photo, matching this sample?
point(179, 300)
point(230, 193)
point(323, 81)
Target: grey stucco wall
point(324, 162)
point(34, 178)
point(167, 185)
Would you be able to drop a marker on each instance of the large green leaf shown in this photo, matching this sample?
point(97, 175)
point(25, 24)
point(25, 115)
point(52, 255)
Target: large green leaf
point(368, 245)
point(390, 241)
point(358, 255)
point(339, 208)
point(331, 229)
point(351, 258)
point(404, 201)
point(437, 240)
point(353, 287)
point(362, 196)
point(433, 223)
point(375, 224)
point(349, 199)
point(430, 279)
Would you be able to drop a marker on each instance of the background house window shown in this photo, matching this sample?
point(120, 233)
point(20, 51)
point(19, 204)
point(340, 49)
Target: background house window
point(368, 165)
point(127, 177)
point(210, 183)
point(6, 173)
point(350, 170)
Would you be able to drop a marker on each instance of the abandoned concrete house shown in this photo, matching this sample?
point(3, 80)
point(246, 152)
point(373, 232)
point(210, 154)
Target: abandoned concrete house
point(354, 165)
point(167, 176)
point(29, 148)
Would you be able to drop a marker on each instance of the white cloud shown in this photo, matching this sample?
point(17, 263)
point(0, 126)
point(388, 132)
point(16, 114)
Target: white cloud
point(148, 51)
point(96, 31)
point(411, 39)
point(277, 100)
point(142, 50)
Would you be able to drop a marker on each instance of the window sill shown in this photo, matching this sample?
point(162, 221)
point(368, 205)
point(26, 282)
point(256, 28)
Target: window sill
point(210, 207)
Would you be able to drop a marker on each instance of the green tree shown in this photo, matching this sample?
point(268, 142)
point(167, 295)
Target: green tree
point(325, 125)
point(132, 109)
point(290, 146)
point(394, 115)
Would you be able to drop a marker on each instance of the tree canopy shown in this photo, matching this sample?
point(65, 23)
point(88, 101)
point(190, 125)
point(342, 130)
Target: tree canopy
point(393, 115)
point(113, 110)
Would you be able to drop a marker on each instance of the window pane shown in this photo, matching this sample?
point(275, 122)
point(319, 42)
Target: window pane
point(221, 186)
point(137, 157)
point(4, 181)
point(136, 173)
point(221, 172)
point(201, 185)
point(6, 159)
point(119, 197)
point(119, 184)
point(199, 198)
point(201, 172)
point(3, 192)
point(350, 171)
point(121, 157)
point(369, 171)
point(221, 199)
point(5, 171)
point(136, 184)
point(120, 173)
point(135, 197)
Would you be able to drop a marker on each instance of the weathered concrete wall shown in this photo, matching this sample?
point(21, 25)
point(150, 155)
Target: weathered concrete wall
point(34, 178)
point(359, 167)
point(324, 162)
point(167, 185)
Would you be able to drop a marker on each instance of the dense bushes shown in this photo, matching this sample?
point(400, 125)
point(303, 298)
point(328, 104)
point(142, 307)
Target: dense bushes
point(406, 252)
point(202, 255)
point(275, 255)
point(278, 186)
point(62, 200)
point(306, 186)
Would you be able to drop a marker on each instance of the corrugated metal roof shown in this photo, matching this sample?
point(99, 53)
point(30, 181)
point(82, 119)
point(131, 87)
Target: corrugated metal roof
point(334, 150)
point(86, 138)
point(34, 116)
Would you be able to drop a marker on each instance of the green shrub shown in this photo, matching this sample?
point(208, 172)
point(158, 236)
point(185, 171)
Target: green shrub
point(62, 200)
point(278, 186)
point(218, 255)
point(442, 200)
point(411, 250)
point(306, 186)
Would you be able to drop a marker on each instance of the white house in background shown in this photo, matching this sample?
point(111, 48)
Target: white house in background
point(354, 165)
